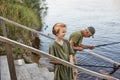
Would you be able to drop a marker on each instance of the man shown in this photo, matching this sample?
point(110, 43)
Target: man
point(75, 40)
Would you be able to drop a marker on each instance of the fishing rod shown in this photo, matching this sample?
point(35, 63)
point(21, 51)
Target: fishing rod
point(93, 66)
point(107, 44)
point(96, 45)
point(115, 67)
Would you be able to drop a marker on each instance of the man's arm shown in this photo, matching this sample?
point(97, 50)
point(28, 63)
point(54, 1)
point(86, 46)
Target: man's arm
point(87, 46)
point(79, 48)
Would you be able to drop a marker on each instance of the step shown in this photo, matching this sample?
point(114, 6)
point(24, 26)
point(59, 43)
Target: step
point(46, 74)
point(25, 71)
point(34, 71)
point(4, 69)
point(21, 70)
point(44, 66)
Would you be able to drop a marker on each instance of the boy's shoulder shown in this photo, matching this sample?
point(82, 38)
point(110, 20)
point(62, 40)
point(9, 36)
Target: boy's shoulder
point(66, 41)
point(52, 43)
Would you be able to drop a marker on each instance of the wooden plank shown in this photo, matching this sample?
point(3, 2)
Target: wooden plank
point(8, 50)
point(3, 39)
point(34, 72)
point(25, 27)
point(102, 57)
point(10, 62)
point(21, 70)
point(46, 74)
point(5, 75)
point(3, 28)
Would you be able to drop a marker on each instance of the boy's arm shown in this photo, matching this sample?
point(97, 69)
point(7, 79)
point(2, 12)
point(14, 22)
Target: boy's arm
point(75, 72)
point(72, 59)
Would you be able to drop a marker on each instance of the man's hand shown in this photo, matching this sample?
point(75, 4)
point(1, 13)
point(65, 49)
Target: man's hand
point(80, 48)
point(91, 47)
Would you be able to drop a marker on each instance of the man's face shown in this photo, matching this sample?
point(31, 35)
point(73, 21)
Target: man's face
point(87, 33)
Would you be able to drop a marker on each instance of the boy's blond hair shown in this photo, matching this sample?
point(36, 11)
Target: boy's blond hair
point(56, 28)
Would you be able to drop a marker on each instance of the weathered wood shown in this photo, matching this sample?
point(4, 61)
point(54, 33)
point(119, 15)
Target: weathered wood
point(46, 74)
point(102, 57)
point(34, 72)
point(25, 27)
point(10, 62)
point(9, 54)
point(3, 28)
point(3, 39)
point(21, 70)
point(49, 56)
point(4, 70)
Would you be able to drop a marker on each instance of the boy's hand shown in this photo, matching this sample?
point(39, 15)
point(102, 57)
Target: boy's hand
point(75, 72)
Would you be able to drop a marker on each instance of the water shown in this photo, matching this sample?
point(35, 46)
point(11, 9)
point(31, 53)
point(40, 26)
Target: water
point(79, 14)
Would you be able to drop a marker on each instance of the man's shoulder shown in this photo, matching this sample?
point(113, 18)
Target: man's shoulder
point(76, 32)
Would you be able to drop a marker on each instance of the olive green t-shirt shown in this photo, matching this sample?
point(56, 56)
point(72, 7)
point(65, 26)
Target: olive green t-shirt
point(76, 37)
point(61, 72)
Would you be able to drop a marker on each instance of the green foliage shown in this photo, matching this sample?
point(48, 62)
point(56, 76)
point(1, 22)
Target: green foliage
point(23, 13)
point(33, 4)
point(20, 14)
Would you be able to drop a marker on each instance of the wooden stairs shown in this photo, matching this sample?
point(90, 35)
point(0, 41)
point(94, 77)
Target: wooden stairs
point(25, 71)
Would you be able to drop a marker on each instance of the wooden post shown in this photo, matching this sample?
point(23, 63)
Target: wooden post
point(8, 49)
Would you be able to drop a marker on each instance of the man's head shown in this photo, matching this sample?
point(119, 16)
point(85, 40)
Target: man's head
point(90, 31)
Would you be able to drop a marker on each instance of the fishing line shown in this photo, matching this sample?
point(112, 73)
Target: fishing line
point(107, 44)
point(93, 66)
point(95, 46)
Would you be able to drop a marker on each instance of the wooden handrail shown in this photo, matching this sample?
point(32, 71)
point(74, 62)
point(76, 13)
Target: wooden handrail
point(47, 36)
point(3, 39)
point(8, 50)
point(25, 27)
point(12, 42)
point(102, 57)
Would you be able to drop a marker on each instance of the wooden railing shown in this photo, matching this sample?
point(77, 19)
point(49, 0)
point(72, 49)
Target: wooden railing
point(10, 42)
point(8, 50)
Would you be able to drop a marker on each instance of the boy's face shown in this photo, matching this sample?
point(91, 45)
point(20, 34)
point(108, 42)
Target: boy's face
point(61, 33)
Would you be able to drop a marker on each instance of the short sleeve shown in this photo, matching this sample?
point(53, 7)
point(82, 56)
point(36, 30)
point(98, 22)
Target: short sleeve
point(74, 37)
point(71, 51)
point(51, 50)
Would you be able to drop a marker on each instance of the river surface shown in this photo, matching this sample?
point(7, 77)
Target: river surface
point(104, 15)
